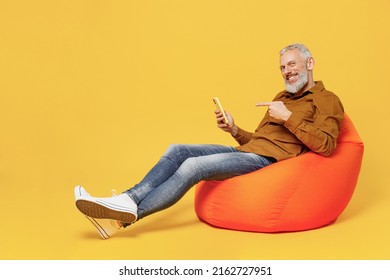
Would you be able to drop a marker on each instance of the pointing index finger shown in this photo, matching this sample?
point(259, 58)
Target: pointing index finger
point(263, 104)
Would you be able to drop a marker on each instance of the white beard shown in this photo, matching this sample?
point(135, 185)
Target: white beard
point(298, 85)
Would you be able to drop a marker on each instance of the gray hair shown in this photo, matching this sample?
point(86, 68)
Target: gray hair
point(302, 49)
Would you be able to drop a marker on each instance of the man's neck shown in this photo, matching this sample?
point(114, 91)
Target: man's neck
point(308, 86)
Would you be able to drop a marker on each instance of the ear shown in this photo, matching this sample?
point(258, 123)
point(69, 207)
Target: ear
point(310, 63)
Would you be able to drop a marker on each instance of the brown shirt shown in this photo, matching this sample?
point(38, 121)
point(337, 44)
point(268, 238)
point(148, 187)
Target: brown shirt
point(313, 125)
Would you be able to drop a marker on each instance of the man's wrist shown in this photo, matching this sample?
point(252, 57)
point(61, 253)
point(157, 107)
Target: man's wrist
point(234, 130)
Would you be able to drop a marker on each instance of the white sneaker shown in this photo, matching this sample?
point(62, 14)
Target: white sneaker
point(106, 228)
point(120, 208)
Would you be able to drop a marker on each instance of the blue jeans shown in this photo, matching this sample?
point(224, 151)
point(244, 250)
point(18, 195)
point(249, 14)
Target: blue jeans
point(183, 166)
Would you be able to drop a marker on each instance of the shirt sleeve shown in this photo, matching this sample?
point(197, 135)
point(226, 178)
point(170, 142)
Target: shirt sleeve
point(320, 134)
point(242, 137)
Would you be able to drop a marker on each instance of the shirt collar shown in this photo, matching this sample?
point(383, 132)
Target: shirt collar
point(318, 86)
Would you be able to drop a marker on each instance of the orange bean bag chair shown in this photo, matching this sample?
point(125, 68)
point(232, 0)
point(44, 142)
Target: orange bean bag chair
point(301, 193)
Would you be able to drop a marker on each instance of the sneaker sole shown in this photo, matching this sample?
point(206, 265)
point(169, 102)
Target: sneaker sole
point(95, 210)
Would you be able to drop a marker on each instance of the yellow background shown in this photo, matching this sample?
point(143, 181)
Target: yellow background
point(93, 92)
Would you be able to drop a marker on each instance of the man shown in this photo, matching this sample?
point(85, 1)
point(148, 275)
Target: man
point(305, 116)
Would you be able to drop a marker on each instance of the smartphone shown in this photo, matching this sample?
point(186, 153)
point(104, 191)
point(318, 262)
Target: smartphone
point(220, 108)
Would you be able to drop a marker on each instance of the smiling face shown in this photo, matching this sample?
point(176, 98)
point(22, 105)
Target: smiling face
point(296, 71)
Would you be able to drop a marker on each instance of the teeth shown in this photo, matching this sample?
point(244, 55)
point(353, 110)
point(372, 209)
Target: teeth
point(290, 77)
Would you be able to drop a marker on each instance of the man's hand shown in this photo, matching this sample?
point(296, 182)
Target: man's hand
point(227, 127)
point(277, 110)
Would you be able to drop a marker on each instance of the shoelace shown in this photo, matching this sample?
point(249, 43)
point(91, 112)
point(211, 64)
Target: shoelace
point(114, 193)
